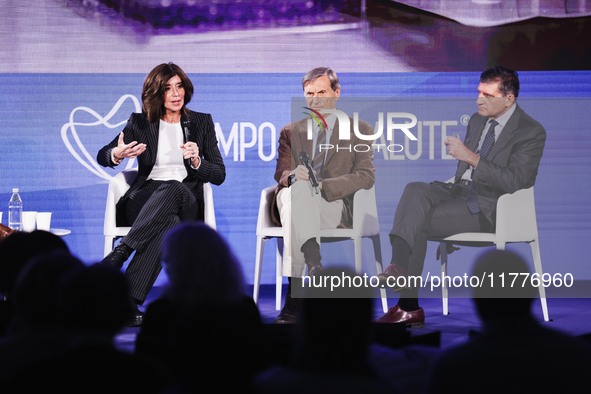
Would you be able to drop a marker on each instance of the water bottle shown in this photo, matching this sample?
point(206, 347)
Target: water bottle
point(15, 211)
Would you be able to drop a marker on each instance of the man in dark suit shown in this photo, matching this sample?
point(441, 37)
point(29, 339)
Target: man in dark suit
point(177, 152)
point(303, 208)
point(500, 154)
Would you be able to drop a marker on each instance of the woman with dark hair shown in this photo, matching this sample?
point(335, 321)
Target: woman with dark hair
point(176, 149)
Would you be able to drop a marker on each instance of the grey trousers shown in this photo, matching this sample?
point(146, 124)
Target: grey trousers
point(426, 211)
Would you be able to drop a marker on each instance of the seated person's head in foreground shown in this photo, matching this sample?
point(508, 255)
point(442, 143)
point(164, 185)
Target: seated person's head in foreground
point(507, 289)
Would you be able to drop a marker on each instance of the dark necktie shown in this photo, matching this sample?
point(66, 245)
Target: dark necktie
point(487, 144)
point(318, 160)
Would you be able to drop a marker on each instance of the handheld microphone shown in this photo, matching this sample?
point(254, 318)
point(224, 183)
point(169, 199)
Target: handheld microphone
point(305, 160)
point(186, 130)
point(185, 124)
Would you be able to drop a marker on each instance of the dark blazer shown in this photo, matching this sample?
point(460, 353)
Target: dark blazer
point(513, 162)
point(201, 131)
point(342, 174)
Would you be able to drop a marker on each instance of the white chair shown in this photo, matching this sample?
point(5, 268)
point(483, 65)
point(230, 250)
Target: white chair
point(118, 185)
point(365, 225)
point(516, 222)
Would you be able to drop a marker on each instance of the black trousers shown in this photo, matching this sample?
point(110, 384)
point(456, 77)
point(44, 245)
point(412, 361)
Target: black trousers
point(153, 209)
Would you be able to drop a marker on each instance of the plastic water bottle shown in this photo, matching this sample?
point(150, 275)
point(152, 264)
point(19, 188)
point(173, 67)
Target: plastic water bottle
point(15, 211)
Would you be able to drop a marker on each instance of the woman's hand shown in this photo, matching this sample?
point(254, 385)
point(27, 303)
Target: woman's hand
point(131, 150)
point(191, 151)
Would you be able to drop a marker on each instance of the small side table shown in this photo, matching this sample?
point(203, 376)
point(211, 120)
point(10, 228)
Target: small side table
point(62, 232)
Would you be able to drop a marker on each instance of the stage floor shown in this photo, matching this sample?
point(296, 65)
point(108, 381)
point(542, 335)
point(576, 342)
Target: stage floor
point(403, 355)
point(571, 315)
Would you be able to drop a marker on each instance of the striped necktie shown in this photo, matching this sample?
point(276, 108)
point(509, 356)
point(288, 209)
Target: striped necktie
point(487, 144)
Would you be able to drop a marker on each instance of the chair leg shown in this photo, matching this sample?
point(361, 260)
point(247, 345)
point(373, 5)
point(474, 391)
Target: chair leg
point(377, 251)
point(444, 294)
point(358, 255)
point(257, 268)
point(278, 273)
point(109, 241)
point(535, 251)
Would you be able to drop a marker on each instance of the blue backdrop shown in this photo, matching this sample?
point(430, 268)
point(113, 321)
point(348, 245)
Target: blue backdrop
point(53, 125)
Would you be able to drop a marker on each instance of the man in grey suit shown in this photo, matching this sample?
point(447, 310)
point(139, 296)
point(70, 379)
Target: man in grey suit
point(500, 154)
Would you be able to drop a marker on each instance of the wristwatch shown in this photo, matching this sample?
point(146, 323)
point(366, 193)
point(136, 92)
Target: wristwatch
point(291, 179)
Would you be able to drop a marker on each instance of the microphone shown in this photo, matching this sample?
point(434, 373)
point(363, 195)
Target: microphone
point(186, 130)
point(185, 124)
point(305, 160)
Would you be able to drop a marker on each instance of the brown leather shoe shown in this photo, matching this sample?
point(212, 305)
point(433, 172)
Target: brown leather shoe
point(389, 278)
point(415, 319)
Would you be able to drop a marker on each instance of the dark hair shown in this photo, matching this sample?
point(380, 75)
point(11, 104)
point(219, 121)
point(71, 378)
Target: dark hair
point(201, 265)
point(95, 298)
point(154, 88)
point(507, 78)
point(317, 73)
point(38, 285)
point(494, 301)
point(18, 248)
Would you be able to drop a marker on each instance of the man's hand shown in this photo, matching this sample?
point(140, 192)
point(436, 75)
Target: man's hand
point(459, 151)
point(301, 173)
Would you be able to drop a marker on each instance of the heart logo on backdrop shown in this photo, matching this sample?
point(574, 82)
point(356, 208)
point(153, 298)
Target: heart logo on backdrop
point(77, 149)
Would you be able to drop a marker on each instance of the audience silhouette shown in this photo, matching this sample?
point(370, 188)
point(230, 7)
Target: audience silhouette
point(513, 352)
point(37, 331)
point(61, 319)
point(203, 323)
point(93, 303)
point(90, 306)
point(15, 251)
point(333, 335)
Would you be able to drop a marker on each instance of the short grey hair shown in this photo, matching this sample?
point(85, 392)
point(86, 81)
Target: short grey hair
point(317, 73)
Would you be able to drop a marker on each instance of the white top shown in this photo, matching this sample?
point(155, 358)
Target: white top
point(169, 161)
